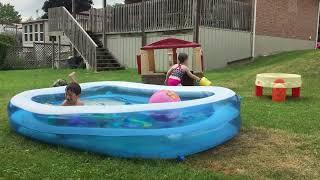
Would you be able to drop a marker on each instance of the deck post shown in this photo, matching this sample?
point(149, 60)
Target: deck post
point(53, 53)
point(59, 52)
point(74, 15)
point(143, 33)
point(196, 20)
point(104, 23)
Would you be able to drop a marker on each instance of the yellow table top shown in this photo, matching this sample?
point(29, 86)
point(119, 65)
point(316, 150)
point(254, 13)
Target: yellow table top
point(267, 80)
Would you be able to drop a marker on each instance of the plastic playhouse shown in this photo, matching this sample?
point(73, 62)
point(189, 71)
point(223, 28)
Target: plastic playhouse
point(146, 60)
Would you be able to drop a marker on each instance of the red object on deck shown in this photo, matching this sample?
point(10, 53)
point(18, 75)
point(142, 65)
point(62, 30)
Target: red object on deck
point(296, 92)
point(279, 91)
point(139, 63)
point(171, 43)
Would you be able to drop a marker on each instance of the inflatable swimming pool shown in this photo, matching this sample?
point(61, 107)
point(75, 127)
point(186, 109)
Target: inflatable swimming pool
point(117, 119)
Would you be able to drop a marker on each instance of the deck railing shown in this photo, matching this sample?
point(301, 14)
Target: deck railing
point(61, 20)
point(164, 15)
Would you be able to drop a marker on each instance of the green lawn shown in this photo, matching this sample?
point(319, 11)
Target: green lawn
point(276, 141)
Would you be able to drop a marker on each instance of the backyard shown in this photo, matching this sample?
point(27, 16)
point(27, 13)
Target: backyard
point(277, 140)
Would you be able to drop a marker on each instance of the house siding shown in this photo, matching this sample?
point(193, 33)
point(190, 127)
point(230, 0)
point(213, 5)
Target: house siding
point(295, 19)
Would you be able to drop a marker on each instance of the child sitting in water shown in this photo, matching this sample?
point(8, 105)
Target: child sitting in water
point(72, 92)
point(72, 95)
point(177, 71)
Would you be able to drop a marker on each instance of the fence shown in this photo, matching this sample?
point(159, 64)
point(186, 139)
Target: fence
point(163, 15)
point(39, 56)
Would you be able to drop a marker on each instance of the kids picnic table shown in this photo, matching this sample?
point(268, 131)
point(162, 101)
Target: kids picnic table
point(267, 80)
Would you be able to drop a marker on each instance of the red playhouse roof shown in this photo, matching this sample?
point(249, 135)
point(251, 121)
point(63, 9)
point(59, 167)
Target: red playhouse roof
point(171, 43)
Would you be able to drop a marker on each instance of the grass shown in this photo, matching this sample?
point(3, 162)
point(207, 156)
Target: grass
point(278, 141)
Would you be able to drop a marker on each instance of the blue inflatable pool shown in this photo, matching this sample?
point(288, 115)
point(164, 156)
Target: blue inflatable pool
point(118, 121)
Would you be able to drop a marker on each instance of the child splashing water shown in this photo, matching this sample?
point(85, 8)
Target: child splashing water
point(72, 91)
point(177, 71)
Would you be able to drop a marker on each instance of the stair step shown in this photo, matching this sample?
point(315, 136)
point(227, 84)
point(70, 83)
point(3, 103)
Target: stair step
point(107, 61)
point(109, 68)
point(107, 64)
point(105, 58)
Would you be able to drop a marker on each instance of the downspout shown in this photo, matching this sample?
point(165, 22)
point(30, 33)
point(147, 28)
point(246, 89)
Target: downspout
point(317, 31)
point(254, 29)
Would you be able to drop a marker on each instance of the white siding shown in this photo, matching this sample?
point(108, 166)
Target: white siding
point(126, 49)
point(219, 47)
point(223, 46)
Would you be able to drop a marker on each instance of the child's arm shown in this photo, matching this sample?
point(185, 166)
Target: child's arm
point(192, 76)
point(72, 76)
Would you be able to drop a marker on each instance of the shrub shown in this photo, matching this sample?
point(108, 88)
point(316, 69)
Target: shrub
point(3, 52)
point(7, 39)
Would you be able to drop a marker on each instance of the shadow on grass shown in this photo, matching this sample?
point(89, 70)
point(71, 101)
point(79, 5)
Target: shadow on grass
point(260, 153)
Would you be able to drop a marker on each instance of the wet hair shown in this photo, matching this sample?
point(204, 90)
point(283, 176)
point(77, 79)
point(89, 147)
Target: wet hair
point(182, 57)
point(74, 87)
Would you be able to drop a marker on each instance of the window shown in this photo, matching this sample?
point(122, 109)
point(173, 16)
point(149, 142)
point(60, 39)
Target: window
point(41, 27)
point(25, 37)
point(25, 29)
point(36, 28)
point(36, 37)
point(30, 37)
point(30, 29)
point(41, 36)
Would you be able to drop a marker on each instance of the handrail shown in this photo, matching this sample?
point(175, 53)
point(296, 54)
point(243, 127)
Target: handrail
point(60, 19)
point(79, 26)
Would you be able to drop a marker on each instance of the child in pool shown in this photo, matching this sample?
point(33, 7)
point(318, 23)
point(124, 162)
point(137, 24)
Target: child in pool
point(177, 71)
point(72, 93)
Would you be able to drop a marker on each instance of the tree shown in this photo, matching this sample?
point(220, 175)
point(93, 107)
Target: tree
point(8, 15)
point(81, 5)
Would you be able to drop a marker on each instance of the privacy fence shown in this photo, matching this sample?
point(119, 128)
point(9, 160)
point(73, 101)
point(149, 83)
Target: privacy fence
point(42, 55)
point(163, 15)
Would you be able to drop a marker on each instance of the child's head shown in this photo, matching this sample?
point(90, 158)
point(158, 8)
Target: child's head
point(183, 58)
point(73, 91)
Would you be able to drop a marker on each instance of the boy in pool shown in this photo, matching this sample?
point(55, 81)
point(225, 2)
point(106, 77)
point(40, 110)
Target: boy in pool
point(177, 71)
point(72, 92)
point(72, 95)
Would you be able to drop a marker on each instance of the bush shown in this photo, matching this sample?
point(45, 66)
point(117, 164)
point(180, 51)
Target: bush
point(3, 52)
point(7, 39)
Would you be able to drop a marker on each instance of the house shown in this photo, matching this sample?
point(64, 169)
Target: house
point(11, 29)
point(228, 30)
point(36, 31)
point(285, 25)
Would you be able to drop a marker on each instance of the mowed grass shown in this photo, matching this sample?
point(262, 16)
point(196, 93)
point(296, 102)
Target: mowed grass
point(277, 141)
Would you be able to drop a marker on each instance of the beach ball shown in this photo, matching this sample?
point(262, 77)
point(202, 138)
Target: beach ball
point(164, 96)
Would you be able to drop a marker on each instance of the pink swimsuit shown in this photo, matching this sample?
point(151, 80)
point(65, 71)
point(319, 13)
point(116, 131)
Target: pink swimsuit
point(178, 74)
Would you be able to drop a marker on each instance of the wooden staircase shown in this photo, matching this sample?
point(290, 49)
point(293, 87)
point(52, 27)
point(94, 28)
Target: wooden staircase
point(105, 59)
point(88, 45)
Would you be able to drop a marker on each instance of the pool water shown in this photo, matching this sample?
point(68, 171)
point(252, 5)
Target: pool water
point(112, 96)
